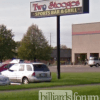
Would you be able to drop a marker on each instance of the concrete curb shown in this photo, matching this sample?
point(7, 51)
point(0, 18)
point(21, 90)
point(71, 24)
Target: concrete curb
point(71, 66)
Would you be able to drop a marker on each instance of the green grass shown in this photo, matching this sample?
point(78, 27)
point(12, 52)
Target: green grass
point(33, 94)
point(66, 79)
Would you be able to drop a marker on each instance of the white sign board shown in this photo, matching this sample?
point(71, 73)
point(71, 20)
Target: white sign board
point(56, 7)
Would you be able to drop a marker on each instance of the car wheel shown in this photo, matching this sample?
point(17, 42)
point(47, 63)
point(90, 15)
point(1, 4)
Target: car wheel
point(91, 66)
point(97, 65)
point(25, 81)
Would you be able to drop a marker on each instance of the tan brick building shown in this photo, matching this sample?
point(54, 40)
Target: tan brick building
point(85, 41)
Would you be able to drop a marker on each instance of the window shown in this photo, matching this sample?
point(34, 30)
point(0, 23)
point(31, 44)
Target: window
point(8, 66)
point(21, 68)
point(14, 67)
point(95, 58)
point(40, 67)
point(29, 68)
point(21, 61)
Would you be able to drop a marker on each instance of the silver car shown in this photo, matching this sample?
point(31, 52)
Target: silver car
point(94, 61)
point(4, 80)
point(28, 72)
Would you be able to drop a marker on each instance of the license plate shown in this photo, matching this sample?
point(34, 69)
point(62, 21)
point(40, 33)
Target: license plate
point(43, 75)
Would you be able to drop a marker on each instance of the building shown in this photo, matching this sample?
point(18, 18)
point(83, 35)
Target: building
point(65, 55)
point(85, 41)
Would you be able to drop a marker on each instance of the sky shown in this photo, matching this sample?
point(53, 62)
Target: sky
point(15, 15)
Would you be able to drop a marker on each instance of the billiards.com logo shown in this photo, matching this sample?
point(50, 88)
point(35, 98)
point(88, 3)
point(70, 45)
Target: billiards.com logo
point(64, 95)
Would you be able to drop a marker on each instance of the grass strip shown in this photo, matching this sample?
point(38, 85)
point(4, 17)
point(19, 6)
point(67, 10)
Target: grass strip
point(33, 94)
point(66, 79)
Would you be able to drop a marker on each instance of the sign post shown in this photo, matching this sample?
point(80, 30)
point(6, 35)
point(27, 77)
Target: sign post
point(58, 47)
point(57, 8)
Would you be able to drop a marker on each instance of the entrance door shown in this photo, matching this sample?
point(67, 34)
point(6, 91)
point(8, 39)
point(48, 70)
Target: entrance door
point(80, 58)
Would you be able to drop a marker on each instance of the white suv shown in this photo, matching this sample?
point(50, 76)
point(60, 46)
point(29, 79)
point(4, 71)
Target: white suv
point(28, 72)
point(94, 61)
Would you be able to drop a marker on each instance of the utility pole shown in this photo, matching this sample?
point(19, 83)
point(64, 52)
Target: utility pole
point(50, 39)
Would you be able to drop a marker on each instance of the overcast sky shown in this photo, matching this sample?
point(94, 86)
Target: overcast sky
point(15, 14)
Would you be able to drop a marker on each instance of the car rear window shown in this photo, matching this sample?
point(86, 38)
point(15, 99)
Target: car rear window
point(40, 67)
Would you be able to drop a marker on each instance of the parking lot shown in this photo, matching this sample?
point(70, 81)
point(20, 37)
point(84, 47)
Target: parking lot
point(75, 68)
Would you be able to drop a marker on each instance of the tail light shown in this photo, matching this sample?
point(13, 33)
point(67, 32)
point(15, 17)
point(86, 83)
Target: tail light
point(50, 73)
point(33, 74)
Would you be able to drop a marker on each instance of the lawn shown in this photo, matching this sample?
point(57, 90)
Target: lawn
point(33, 94)
point(66, 79)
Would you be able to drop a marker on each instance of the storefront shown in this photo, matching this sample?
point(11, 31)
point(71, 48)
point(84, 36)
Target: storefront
point(85, 41)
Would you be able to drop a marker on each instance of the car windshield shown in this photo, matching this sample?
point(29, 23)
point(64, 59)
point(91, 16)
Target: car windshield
point(40, 67)
point(8, 66)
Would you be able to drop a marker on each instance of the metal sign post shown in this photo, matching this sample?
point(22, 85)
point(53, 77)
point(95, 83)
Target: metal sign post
point(57, 8)
point(58, 47)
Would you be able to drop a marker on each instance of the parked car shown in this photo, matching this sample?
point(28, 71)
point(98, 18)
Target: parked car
point(5, 66)
point(0, 63)
point(94, 61)
point(4, 80)
point(28, 72)
point(17, 61)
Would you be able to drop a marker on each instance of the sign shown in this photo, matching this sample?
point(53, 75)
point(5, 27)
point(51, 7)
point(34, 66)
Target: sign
point(56, 7)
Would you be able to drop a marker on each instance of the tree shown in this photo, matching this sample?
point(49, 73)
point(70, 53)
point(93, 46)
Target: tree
point(61, 47)
point(34, 45)
point(17, 46)
point(7, 44)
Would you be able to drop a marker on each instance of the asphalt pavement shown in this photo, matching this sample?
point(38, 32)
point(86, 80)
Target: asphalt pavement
point(75, 68)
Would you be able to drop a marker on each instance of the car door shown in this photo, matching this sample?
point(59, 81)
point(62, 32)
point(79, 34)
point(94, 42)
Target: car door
point(29, 70)
point(21, 72)
point(12, 73)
